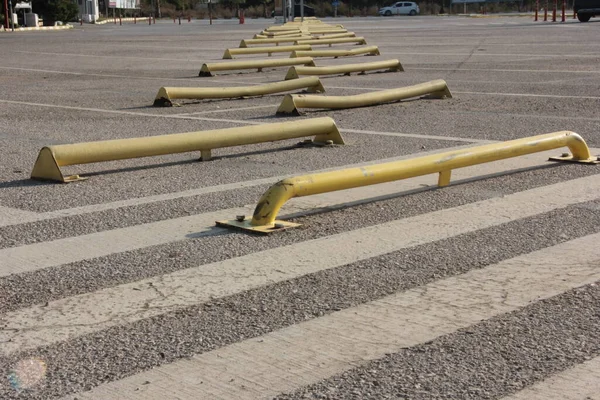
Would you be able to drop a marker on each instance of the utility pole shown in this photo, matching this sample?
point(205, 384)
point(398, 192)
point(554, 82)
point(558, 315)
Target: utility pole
point(301, 10)
point(6, 14)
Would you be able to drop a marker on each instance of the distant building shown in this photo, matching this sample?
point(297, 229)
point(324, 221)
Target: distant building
point(88, 9)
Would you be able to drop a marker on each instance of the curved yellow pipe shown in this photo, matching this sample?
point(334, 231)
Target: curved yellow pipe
point(357, 40)
point(208, 68)
point(273, 199)
point(247, 42)
point(369, 50)
point(390, 65)
point(229, 53)
point(51, 158)
point(167, 94)
point(291, 103)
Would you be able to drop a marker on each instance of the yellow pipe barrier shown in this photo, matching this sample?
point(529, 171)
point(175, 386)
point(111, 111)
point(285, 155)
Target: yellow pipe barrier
point(265, 213)
point(209, 68)
point(434, 89)
point(368, 50)
point(320, 30)
point(357, 40)
point(281, 33)
point(229, 53)
point(336, 36)
point(346, 69)
point(290, 26)
point(51, 158)
point(248, 42)
point(167, 94)
point(285, 35)
point(282, 28)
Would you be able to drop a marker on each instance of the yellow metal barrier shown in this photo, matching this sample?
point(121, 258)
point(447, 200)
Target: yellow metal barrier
point(368, 50)
point(209, 68)
point(336, 36)
point(51, 158)
point(229, 53)
point(282, 33)
point(357, 40)
point(434, 89)
point(265, 213)
point(291, 39)
point(346, 69)
point(326, 30)
point(167, 94)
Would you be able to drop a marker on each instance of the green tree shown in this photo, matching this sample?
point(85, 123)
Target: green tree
point(56, 10)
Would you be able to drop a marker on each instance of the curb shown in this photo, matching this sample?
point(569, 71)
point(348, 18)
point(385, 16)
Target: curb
point(39, 28)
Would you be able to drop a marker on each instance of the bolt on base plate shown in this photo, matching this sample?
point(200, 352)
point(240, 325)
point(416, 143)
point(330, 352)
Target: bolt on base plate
point(246, 226)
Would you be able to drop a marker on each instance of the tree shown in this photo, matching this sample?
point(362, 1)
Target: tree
point(56, 10)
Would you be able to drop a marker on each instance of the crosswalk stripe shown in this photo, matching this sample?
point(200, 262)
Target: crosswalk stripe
point(74, 316)
point(11, 216)
point(305, 353)
point(62, 251)
point(581, 382)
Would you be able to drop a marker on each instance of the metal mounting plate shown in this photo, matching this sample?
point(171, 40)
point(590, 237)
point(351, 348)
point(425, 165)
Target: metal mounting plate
point(569, 158)
point(246, 226)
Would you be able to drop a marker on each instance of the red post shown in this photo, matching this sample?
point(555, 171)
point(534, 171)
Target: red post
point(242, 17)
point(554, 11)
point(189, 18)
point(154, 19)
point(546, 12)
point(120, 20)
point(537, 7)
point(574, 13)
point(563, 11)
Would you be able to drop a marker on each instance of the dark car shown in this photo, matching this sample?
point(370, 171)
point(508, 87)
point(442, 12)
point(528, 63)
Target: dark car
point(587, 9)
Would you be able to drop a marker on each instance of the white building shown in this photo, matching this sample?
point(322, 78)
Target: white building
point(89, 10)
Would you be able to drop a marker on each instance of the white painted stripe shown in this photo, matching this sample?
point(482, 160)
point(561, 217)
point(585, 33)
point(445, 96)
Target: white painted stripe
point(36, 256)
point(49, 71)
point(561, 71)
point(581, 382)
point(273, 106)
point(556, 96)
point(137, 114)
point(308, 352)
point(78, 315)
point(32, 217)
point(485, 54)
point(108, 56)
point(10, 216)
point(161, 79)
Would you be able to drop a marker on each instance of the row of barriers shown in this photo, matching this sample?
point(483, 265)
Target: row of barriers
point(323, 130)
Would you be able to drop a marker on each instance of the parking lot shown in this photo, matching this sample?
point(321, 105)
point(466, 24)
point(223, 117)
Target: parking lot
point(122, 287)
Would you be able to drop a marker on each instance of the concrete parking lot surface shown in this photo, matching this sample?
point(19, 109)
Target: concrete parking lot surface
point(122, 287)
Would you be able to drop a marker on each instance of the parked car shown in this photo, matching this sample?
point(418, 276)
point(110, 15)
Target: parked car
point(586, 9)
point(400, 8)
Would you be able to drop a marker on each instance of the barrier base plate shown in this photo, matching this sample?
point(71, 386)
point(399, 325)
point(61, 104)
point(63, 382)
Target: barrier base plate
point(246, 226)
point(569, 158)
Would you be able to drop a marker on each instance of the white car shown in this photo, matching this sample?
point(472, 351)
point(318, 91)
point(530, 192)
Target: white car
point(400, 8)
